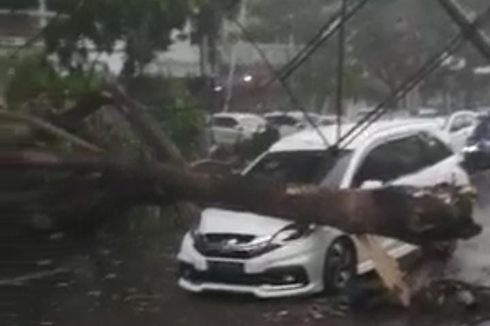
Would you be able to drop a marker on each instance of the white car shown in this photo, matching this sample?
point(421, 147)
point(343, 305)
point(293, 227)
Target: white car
point(290, 122)
point(455, 128)
point(459, 127)
point(426, 112)
point(231, 128)
point(273, 257)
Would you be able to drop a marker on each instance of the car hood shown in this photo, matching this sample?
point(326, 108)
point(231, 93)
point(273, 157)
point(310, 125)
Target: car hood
point(215, 220)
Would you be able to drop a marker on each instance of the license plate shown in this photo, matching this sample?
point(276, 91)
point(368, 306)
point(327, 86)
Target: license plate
point(226, 267)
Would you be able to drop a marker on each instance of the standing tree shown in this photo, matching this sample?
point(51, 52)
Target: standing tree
point(138, 27)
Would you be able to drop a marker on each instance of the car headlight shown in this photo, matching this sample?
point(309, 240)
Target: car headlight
point(292, 232)
point(471, 149)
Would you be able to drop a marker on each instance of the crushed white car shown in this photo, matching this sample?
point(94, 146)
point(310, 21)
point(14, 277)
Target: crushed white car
point(271, 257)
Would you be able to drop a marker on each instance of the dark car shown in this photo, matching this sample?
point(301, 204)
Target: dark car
point(477, 150)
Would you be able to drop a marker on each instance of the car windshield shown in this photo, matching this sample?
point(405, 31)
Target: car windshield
point(282, 120)
point(303, 166)
point(226, 122)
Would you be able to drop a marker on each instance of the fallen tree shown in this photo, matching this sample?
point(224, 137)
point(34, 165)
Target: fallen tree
point(420, 216)
point(90, 184)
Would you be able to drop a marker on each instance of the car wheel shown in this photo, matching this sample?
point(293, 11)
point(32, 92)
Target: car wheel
point(340, 267)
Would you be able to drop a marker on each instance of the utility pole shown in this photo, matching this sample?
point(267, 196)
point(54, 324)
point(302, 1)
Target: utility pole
point(471, 31)
point(340, 70)
point(230, 80)
point(242, 19)
point(43, 12)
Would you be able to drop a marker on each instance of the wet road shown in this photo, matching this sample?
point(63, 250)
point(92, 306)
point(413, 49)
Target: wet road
point(126, 275)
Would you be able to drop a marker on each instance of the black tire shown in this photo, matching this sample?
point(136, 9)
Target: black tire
point(340, 266)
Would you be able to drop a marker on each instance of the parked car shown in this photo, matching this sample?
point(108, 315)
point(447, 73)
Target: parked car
point(459, 127)
point(290, 122)
point(268, 256)
point(363, 112)
point(427, 112)
point(284, 123)
point(231, 128)
point(456, 128)
point(477, 150)
point(329, 120)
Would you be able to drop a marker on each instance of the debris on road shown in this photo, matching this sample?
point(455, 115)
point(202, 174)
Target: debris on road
point(444, 291)
point(20, 280)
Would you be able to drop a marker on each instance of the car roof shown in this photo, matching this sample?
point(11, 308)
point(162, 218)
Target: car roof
point(293, 114)
point(310, 140)
point(236, 115)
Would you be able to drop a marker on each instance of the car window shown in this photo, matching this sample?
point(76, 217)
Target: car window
point(251, 123)
point(282, 120)
point(461, 122)
point(434, 150)
point(301, 166)
point(226, 122)
point(391, 160)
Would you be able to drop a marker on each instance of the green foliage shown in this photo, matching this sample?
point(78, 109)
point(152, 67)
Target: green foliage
point(34, 79)
point(140, 26)
point(184, 122)
point(173, 107)
point(387, 40)
point(278, 20)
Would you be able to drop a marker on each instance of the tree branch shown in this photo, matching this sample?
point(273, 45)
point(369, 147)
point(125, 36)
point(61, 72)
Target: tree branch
point(148, 129)
point(418, 216)
point(51, 129)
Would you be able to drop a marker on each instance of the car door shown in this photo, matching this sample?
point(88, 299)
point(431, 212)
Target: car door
point(390, 161)
point(396, 161)
point(226, 130)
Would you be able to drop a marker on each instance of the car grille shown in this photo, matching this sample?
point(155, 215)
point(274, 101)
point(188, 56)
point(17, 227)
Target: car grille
point(234, 274)
point(229, 246)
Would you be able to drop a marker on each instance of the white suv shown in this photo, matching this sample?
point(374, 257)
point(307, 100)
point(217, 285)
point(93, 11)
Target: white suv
point(272, 257)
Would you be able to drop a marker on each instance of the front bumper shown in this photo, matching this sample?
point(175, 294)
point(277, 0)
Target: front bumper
point(285, 281)
point(290, 271)
point(262, 291)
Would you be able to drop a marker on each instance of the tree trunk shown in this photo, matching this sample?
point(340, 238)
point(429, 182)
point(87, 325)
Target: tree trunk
point(417, 216)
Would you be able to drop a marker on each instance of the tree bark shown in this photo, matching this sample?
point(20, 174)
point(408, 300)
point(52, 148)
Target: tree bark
point(419, 216)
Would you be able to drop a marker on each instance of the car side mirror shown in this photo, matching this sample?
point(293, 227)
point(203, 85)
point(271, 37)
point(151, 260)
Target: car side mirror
point(372, 184)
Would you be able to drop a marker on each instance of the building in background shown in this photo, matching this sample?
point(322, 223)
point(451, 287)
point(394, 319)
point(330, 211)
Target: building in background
point(16, 27)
